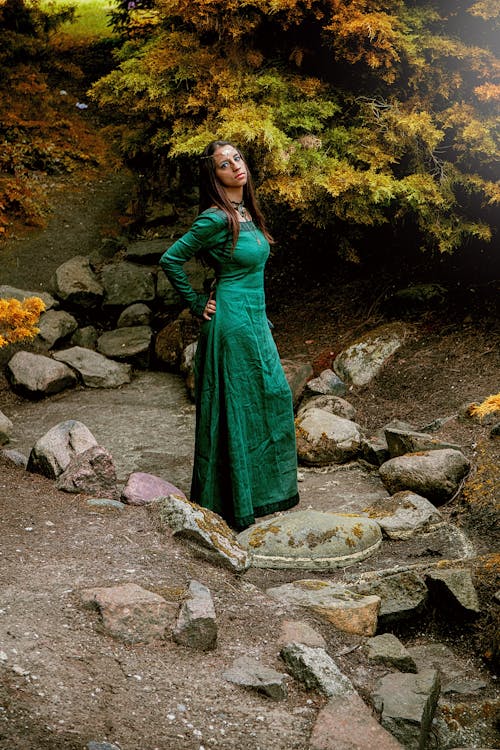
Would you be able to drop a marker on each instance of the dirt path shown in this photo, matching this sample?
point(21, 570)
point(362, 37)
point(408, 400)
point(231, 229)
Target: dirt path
point(63, 681)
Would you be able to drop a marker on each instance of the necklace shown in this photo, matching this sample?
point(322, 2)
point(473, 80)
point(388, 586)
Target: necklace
point(240, 207)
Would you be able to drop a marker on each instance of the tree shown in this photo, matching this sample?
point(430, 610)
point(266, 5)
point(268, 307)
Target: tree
point(357, 114)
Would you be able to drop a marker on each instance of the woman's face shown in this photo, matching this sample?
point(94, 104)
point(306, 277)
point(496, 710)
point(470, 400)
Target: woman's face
point(230, 168)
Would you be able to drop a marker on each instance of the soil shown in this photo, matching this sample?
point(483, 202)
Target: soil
point(64, 682)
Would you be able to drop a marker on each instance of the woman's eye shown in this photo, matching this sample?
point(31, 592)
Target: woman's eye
point(237, 157)
point(223, 164)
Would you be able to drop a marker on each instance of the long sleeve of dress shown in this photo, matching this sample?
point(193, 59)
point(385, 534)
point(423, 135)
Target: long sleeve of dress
point(209, 231)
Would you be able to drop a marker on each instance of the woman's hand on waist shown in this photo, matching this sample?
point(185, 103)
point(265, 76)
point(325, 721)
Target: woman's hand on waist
point(210, 308)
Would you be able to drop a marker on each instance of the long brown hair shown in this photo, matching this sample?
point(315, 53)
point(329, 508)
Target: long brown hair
point(212, 193)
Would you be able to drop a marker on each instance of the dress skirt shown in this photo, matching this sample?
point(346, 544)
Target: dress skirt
point(245, 462)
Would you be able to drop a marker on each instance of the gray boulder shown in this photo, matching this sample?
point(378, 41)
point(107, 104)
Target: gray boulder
point(95, 370)
point(435, 474)
point(11, 292)
point(86, 337)
point(327, 383)
point(250, 673)
point(137, 314)
point(311, 540)
point(56, 325)
point(332, 404)
point(125, 283)
point(75, 283)
point(297, 372)
point(5, 428)
point(142, 488)
point(196, 625)
point(388, 650)
point(403, 596)
point(407, 703)
point(400, 442)
point(205, 532)
point(404, 515)
point(323, 438)
point(316, 669)
point(91, 472)
point(363, 360)
point(131, 343)
point(53, 452)
point(36, 376)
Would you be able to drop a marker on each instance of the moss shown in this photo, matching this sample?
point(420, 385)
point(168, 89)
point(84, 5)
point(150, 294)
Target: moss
point(258, 536)
point(311, 585)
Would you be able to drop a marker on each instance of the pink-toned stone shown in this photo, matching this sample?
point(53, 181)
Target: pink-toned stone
point(131, 613)
point(356, 617)
point(142, 488)
point(296, 631)
point(346, 723)
point(92, 472)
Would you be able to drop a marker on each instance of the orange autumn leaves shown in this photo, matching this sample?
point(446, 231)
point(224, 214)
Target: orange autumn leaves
point(18, 319)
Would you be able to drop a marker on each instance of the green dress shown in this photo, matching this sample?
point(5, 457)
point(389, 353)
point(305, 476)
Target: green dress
point(245, 462)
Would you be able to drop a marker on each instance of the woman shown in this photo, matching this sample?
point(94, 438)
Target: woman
point(245, 462)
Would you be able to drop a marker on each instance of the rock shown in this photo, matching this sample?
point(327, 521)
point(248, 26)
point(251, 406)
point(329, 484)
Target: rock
point(363, 360)
point(323, 438)
point(404, 515)
point(75, 284)
point(166, 293)
point(132, 343)
point(297, 372)
point(453, 591)
point(101, 746)
point(495, 431)
point(205, 532)
point(332, 404)
point(146, 251)
point(416, 299)
point(11, 292)
point(172, 340)
point(137, 314)
point(343, 608)
point(125, 283)
point(327, 383)
point(55, 325)
point(407, 703)
point(142, 488)
point(403, 596)
point(187, 367)
point(130, 613)
point(388, 650)
point(311, 540)
point(86, 337)
point(17, 458)
point(347, 723)
point(53, 452)
point(374, 450)
point(105, 502)
point(296, 631)
point(456, 675)
point(95, 370)
point(90, 472)
point(434, 474)
point(36, 376)
point(400, 442)
point(6, 427)
point(250, 673)
point(196, 625)
point(316, 669)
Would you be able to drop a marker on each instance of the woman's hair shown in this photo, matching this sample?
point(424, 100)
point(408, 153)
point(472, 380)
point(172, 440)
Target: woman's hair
point(212, 193)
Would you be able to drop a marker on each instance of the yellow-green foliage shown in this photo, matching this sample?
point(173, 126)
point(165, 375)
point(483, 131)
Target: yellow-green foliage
point(18, 319)
point(488, 406)
point(355, 113)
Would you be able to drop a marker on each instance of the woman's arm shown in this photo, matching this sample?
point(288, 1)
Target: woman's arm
point(208, 230)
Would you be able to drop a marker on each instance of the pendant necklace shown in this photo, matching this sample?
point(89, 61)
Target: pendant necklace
point(240, 207)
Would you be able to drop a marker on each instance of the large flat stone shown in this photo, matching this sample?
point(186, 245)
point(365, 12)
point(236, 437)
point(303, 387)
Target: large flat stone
point(311, 540)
